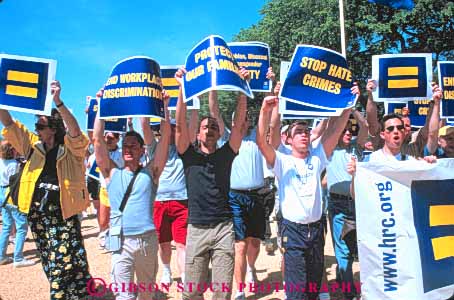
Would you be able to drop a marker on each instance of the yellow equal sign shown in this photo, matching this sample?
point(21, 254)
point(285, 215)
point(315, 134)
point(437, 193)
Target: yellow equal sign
point(442, 215)
point(402, 83)
point(169, 82)
point(22, 91)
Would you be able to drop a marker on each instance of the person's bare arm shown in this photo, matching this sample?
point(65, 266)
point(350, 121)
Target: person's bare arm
point(371, 109)
point(240, 117)
point(5, 118)
point(318, 131)
point(72, 126)
point(162, 149)
point(363, 128)
point(213, 105)
point(335, 127)
point(268, 104)
point(182, 140)
point(193, 123)
point(432, 139)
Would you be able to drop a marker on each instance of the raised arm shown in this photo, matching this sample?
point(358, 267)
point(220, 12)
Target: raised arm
point(371, 109)
point(363, 128)
point(270, 75)
point(318, 131)
point(5, 118)
point(213, 105)
point(268, 105)
point(275, 124)
point(193, 122)
point(335, 127)
point(105, 164)
point(236, 136)
point(434, 122)
point(182, 140)
point(160, 157)
point(72, 126)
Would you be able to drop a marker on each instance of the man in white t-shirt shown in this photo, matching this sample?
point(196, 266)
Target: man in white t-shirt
point(300, 195)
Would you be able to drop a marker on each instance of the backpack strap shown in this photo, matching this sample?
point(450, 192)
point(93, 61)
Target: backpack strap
point(129, 190)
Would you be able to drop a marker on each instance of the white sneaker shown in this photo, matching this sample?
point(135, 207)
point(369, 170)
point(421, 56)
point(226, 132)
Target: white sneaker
point(23, 263)
point(6, 260)
point(240, 296)
point(251, 276)
point(166, 277)
point(324, 296)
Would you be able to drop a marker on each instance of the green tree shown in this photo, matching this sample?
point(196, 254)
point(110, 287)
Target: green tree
point(370, 29)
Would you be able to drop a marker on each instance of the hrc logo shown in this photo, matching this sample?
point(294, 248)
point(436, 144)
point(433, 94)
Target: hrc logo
point(433, 214)
point(402, 77)
point(22, 81)
point(21, 77)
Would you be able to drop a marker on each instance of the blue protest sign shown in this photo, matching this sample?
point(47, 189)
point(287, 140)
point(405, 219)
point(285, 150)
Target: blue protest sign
point(211, 66)
point(402, 77)
point(170, 84)
point(418, 110)
point(446, 81)
point(110, 124)
point(93, 172)
point(288, 107)
point(319, 77)
point(25, 83)
point(134, 89)
point(254, 57)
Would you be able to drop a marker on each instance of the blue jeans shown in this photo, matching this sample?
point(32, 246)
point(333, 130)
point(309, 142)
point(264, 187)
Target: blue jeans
point(11, 214)
point(338, 211)
point(303, 258)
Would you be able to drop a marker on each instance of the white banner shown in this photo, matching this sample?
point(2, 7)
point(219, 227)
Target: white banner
point(405, 229)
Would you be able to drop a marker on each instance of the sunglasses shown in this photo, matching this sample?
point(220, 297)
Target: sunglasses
point(391, 128)
point(39, 126)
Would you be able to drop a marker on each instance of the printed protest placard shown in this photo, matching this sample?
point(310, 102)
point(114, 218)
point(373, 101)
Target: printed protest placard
point(134, 89)
point(402, 77)
point(211, 65)
point(25, 83)
point(318, 77)
point(255, 57)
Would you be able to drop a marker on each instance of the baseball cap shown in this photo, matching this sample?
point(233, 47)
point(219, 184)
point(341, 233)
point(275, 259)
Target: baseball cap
point(445, 130)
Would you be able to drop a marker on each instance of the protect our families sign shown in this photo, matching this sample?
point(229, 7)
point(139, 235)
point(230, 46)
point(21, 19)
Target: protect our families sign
point(211, 65)
point(134, 89)
point(25, 83)
point(318, 77)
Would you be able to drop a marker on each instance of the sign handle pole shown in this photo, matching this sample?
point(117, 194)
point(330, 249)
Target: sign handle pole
point(342, 27)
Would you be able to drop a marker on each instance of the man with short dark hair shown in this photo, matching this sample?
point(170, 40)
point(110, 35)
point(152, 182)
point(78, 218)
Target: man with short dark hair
point(210, 226)
point(139, 245)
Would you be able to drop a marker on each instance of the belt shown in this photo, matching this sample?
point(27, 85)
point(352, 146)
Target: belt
point(313, 224)
point(49, 186)
point(246, 191)
point(339, 196)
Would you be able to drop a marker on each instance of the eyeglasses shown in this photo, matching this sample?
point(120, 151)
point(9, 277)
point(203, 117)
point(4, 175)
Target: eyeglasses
point(391, 128)
point(39, 126)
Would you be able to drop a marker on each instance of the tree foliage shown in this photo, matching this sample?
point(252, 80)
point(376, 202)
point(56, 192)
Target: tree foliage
point(370, 30)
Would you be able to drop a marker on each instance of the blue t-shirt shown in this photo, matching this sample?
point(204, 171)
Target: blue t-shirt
point(138, 212)
point(172, 184)
point(247, 168)
point(439, 153)
point(338, 178)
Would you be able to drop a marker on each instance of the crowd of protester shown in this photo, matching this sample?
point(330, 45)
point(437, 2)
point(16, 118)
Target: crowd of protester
point(202, 187)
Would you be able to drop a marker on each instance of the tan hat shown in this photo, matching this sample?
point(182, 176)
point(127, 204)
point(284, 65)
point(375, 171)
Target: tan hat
point(446, 130)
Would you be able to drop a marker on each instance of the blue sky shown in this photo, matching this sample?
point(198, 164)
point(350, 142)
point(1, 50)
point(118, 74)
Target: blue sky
point(87, 38)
